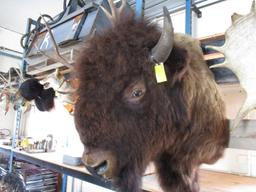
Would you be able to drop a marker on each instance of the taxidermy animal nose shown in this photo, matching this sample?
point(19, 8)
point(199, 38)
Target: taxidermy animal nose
point(100, 163)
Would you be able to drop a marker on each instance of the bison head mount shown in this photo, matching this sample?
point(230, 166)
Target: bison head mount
point(126, 119)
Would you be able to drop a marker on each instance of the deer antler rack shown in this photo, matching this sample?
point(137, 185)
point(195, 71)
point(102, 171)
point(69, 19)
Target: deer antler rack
point(58, 58)
point(115, 12)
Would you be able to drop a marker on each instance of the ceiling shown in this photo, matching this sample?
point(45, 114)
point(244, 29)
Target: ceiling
point(14, 13)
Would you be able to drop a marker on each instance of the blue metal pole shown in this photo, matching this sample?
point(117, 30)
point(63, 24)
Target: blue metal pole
point(15, 137)
point(19, 112)
point(64, 183)
point(188, 28)
point(28, 29)
point(139, 8)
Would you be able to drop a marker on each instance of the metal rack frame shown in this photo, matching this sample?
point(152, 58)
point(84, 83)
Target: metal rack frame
point(143, 7)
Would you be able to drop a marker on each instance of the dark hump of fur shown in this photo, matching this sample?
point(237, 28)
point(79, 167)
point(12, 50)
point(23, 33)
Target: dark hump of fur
point(30, 89)
point(45, 101)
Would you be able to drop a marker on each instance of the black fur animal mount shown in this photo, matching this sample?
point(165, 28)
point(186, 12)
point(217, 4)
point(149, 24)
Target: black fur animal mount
point(31, 89)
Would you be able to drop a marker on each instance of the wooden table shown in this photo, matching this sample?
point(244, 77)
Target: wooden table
point(211, 182)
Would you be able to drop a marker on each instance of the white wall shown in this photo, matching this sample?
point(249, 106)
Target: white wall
point(7, 121)
point(9, 39)
point(57, 122)
point(215, 19)
point(14, 15)
point(7, 62)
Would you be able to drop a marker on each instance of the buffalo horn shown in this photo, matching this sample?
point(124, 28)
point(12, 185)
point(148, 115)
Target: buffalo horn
point(253, 7)
point(164, 46)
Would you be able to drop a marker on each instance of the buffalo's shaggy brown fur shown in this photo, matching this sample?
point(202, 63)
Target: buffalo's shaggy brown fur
point(178, 124)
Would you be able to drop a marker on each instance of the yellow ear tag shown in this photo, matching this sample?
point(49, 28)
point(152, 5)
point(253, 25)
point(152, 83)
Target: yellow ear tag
point(160, 73)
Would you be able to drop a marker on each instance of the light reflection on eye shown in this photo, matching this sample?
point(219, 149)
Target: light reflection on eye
point(137, 93)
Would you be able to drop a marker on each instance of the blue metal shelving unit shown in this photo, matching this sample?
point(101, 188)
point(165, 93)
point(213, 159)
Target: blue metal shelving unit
point(30, 22)
point(139, 8)
point(188, 27)
point(14, 136)
point(152, 9)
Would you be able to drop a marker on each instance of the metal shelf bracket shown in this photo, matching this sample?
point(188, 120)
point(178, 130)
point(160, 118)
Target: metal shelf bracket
point(197, 11)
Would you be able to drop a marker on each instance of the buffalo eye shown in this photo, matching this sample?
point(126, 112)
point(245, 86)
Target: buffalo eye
point(135, 92)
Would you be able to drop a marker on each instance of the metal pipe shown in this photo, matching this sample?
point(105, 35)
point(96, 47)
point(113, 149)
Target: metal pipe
point(30, 22)
point(198, 2)
point(188, 22)
point(18, 112)
point(159, 2)
point(182, 7)
point(7, 49)
point(15, 137)
point(213, 3)
point(9, 55)
point(64, 183)
point(139, 7)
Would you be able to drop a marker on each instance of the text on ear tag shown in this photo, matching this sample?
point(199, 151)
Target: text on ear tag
point(160, 73)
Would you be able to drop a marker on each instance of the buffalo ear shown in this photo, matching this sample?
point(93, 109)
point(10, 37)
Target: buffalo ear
point(177, 64)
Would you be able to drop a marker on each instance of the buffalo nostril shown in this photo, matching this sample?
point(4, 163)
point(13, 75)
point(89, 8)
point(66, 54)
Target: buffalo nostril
point(98, 170)
point(101, 168)
point(100, 163)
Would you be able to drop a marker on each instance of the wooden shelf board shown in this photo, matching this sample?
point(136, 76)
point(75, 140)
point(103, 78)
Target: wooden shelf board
point(213, 56)
point(215, 37)
point(210, 182)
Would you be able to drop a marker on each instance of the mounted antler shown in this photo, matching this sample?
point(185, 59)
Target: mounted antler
point(4, 102)
point(3, 79)
point(19, 73)
point(58, 58)
point(115, 12)
point(6, 82)
point(9, 93)
point(239, 50)
point(63, 88)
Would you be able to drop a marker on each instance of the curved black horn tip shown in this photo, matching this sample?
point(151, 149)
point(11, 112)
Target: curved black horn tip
point(167, 19)
point(164, 46)
point(167, 14)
